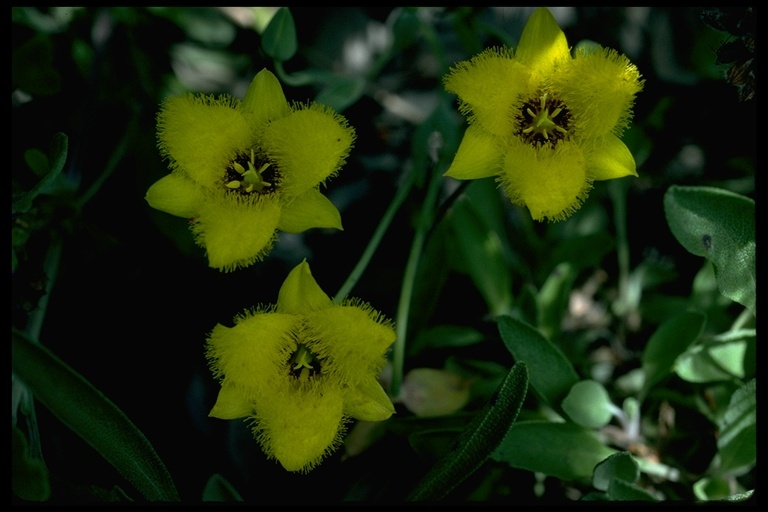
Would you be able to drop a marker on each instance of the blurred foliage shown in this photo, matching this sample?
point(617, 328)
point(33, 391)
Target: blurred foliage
point(632, 324)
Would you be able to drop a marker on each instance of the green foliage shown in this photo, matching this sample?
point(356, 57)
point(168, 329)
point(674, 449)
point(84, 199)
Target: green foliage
point(719, 225)
point(279, 38)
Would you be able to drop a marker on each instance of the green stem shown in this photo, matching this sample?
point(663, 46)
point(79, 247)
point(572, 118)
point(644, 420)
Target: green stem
point(409, 277)
point(373, 243)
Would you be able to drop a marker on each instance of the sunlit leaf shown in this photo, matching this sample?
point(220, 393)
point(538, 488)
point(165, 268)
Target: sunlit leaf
point(715, 360)
point(93, 417)
point(279, 39)
point(720, 226)
point(588, 404)
point(551, 373)
point(563, 450)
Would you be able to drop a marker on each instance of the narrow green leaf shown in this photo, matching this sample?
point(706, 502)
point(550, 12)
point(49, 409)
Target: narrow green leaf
point(563, 450)
point(279, 39)
point(720, 226)
point(552, 299)
point(552, 374)
point(737, 443)
point(478, 441)
point(481, 255)
point(670, 340)
point(92, 416)
point(620, 465)
point(29, 476)
point(589, 405)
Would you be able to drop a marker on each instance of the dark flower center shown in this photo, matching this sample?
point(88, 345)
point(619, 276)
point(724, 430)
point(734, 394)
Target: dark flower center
point(249, 174)
point(543, 120)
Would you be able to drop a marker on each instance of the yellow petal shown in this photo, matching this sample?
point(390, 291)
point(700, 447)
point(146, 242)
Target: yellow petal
point(611, 159)
point(353, 338)
point(309, 210)
point(237, 233)
point(478, 156)
point(175, 194)
point(300, 293)
point(368, 401)
point(300, 426)
point(202, 134)
point(599, 87)
point(308, 146)
point(264, 101)
point(551, 183)
point(232, 403)
point(490, 86)
point(542, 44)
point(252, 354)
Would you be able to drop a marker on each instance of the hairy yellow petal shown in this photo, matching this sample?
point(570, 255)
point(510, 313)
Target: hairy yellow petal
point(300, 292)
point(237, 233)
point(300, 426)
point(202, 134)
point(479, 156)
point(309, 210)
point(552, 183)
point(489, 87)
point(176, 194)
point(252, 354)
point(599, 87)
point(353, 338)
point(232, 403)
point(308, 146)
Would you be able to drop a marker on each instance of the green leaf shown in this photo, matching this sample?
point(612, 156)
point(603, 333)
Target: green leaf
point(478, 441)
point(621, 466)
point(552, 299)
point(37, 161)
point(619, 490)
point(551, 373)
point(715, 360)
point(589, 405)
point(279, 39)
point(563, 450)
point(712, 488)
point(441, 336)
point(670, 340)
point(29, 477)
point(92, 416)
point(217, 488)
point(720, 226)
point(58, 157)
point(737, 442)
point(341, 91)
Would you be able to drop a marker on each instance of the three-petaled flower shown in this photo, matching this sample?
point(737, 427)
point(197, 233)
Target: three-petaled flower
point(241, 170)
point(546, 124)
point(301, 369)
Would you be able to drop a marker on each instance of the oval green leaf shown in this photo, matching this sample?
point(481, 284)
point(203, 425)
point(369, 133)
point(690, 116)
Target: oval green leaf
point(589, 405)
point(620, 465)
point(720, 226)
point(279, 39)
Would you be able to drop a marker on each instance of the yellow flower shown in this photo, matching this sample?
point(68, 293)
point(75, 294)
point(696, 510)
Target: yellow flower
point(241, 170)
point(546, 124)
point(301, 369)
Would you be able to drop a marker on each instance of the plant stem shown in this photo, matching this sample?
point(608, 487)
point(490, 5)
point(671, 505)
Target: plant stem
point(373, 243)
point(426, 218)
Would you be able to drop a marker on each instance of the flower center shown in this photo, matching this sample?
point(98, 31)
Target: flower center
point(250, 175)
point(303, 363)
point(543, 120)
